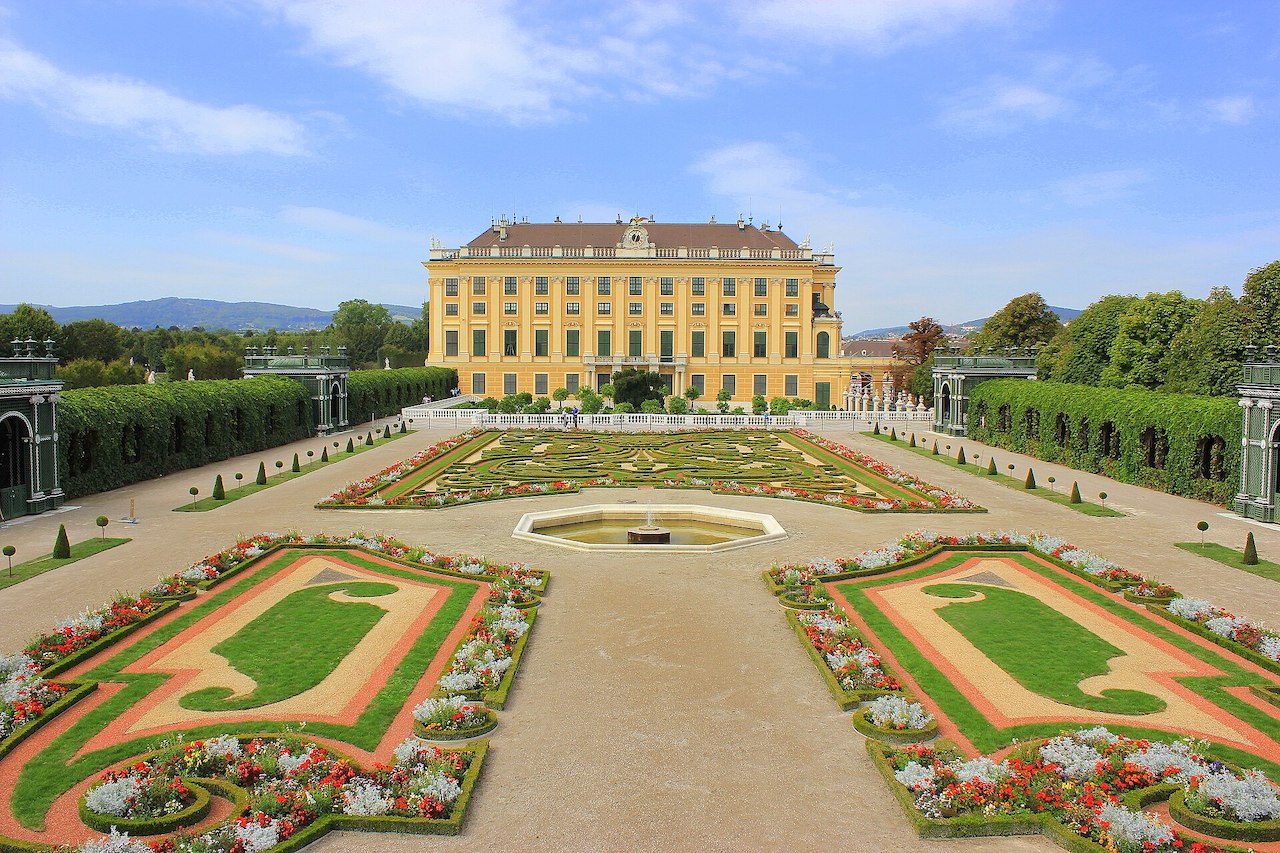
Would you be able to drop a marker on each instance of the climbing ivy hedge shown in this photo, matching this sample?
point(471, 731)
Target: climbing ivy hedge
point(115, 435)
point(1180, 443)
point(378, 393)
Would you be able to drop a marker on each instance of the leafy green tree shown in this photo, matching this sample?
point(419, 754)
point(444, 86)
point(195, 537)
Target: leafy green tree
point(1027, 320)
point(1082, 349)
point(92, 339)
point(678, 405)
point(1205, 356)
point(692, 393)
point(607, 390)
point(779, 406)
point(1261, 302)
point(589, 401)
point(28, 321)
point(83, 373)
point(121, 372)
point(634, 386)
point(207, 360)
point(560, 395)
point(651, 407)
point(362, 326)
point(759, 405)
point(722, 400)
point(1146, 329)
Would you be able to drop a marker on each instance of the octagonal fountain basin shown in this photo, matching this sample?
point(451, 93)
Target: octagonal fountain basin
point(659, 528)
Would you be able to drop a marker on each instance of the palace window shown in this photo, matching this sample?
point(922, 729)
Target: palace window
point(541, 286)
point(793, 309)
point(698, 344)
point(573, 308)
point(540, 384)
point(604, 343)
point(699, 381)
point(792, 348)
point(604, 308)
point(478, 343)
point(824, 345)
point(450, 287)
point(451, 342)
point(635, 285)
point(477, 383)
point(604, 285)
point(729, 383)
point(542, 308)
point(793, 287)
point(760, 309)
point(571, 338)
point(760, 345)
point(540, 345)
point(729, 286)
point(451, 309)
point(509, 287)
point(571, 381)
point(729, 344)
point(635, 307)
point(762, 287)
point(572, 285)
point(477, 285)
point(699, 286)
point(635, 343)
point(729, 309)
point(666, 286)
point(698, 309)
point(478, 308)
point(760, 384)
point(666, 344)
point(510, 344)
point(510, 307)
point(508, 383)
point(791, 385)
point(667, 309)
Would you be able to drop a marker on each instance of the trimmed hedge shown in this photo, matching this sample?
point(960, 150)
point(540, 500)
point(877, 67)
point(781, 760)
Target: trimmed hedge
point(188, 816)
point(1254, 832)
point(900, 737)
point(1179, 443)
point(377, 393)
point(116, 435)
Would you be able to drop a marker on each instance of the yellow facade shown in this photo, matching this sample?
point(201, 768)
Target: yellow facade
point(515, 312)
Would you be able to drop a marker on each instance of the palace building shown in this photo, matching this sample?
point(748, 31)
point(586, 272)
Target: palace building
point(538, 306)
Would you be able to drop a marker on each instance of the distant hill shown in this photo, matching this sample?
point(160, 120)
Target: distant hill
point(1065, 314)
point(210, 314)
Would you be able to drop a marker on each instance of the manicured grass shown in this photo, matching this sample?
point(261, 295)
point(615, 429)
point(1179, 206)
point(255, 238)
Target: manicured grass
point(1051, 658)
point(854, 472)
point(432, 468)
point(252, 488)
point(61, 765)
point(1233, 558)
point(1059, 496)
point(293, 646)
point(987, 737)
point(47, 563)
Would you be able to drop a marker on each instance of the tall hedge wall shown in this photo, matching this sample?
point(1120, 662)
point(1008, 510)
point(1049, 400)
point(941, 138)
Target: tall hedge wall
point(378, 393)
point(1179, 443)
point(115, 435)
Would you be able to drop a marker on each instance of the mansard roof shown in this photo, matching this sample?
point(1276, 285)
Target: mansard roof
point(607, 234)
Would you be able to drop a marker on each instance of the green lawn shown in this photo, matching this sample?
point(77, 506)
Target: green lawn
point(47, 563)
point(1061, 494)
point(1050, 660)
point(251, 488)
point(1233, 558)
point(293, 646)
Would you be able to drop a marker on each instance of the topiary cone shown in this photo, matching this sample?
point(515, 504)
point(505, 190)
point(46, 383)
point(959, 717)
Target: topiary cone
point(262, 474)
point(1250, 551)
point(912, 441)
point(875, 428)
point(991, 465)
point(1075, 493)
point(960, 458)
point(219, 492)
point(324, 454)
point(351, 448)
point(295, 468)
point(893, 434)
point(62, 546)
point(404, 427)
point(368, 440)
point(1030, 482)
point(935, 448)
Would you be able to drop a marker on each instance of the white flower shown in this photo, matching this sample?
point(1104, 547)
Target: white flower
point(258, 838)
point(1252, 798)
point(116, 842)
point(1191, 608)
point(1075, 760)
point(225, 746)
point(894, 712)
point(1133, 831)
point(1269, 646)
point(915, 775)
point(1171, 762)
point(365, 797)
point(459, 682)
point(1226, 626)
point(113, 797)
point(982, 770)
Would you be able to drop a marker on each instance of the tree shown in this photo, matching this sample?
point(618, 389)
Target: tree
point(723, 396)
point(1261, 302)
point(914, 350)
point(560, 395)
point(27, 322)
point(1027, 320)
point(607, 390)
point(83, 373)
point(261, 479)
point(207, 360)
point(692, 393)
point(635, 386)
point(1205, 356)
point(1142, 340)
point(219, 490)
point(1082, 349)
point(61, 545)
point(590, 402)
point(678, 405)
point(363, 327)
point(759, 405)
point(651, 407)
point(91, 339)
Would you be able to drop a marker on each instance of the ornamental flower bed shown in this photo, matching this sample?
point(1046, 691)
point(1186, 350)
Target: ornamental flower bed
point(291, 783)
point(1227, 625)
point(144, 790)
point(446, 715)
point(486, 652)
point(1077, 779)
point(855, 666)
point(1224, 796)
point(363, 492)
point(895, 712)
point(24, 694)
point(78, 632)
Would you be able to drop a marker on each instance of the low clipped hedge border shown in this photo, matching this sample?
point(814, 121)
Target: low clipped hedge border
point(1254, 832)
point(898, 737)
point(194, 813)
point(106, 641)
point(846, 699)
point(77, 691)
point(490, 723)
point(916, 559)
point(1230, 645)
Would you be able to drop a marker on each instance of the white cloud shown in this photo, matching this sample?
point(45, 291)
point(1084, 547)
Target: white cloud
point(274, 248)
point(1099, 187)
point(502, 58)
point(876, 25)
point(1231, 109)
point(333, 222)
point(169, 121)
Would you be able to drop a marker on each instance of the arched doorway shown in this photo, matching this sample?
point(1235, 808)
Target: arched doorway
point(335, 406)
point(944, 404)
point(15, 464)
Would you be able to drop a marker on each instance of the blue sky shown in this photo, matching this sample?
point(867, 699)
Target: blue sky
point(957, 153)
